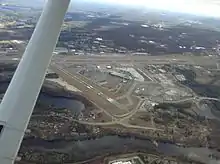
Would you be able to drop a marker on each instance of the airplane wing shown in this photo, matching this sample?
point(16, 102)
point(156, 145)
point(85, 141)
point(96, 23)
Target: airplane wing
point(20, 98)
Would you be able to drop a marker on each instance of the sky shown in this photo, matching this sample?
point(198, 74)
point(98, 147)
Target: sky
point(199, 7)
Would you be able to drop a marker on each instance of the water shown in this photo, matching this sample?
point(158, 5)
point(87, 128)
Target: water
point(208, 111)
point(86, 149)
point(56, 101)
point(61, 102)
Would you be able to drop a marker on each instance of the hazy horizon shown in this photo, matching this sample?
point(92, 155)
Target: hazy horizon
point(195, 7)
point(198, 7)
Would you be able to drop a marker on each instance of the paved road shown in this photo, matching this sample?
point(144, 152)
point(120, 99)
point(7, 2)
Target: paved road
point(92, 93)
point(193, 98)
point(132, 112)
point(141, 127)
point(208, 98)
point(180, 59)
point(111, 109)
point(127, 95)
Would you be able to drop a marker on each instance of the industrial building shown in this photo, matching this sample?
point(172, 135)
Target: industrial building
point(130, 160)
point(121, 75)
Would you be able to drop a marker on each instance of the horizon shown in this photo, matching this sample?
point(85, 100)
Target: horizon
point(195, 7)
point(210, 8)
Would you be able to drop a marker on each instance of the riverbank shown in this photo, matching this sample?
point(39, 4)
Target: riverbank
point(56, 137)
point(85, 148)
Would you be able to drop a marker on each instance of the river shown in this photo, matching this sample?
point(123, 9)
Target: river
point(74, 106)
point(89, 148)
point(84, 148)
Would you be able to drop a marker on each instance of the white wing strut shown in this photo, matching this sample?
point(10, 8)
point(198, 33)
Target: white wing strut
point(19, 100)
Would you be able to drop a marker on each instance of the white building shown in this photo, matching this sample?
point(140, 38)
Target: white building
point(59, 50)
point(122, 162)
